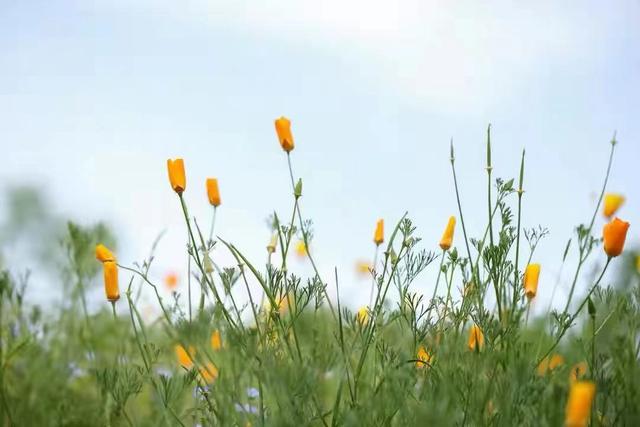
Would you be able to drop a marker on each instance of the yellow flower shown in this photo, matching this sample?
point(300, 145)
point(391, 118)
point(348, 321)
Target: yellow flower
point(301, 249)
point(614, 234)
point(185, 359)
point(423, 357)
point(363, 268)
point(378, 235)
point(549, 364)
point(104, 254)
point(447, 236)
point(171, 281)
point(577, 371)
point(476, 338)
point(363, 315)
point(612, 202)
point(110, 269)
point(177, 177)
point(216, 341)
point(271, 247)
point(209, 373)
point(213, 192)
point(578, 408)
point(531, 275)
point(638, 263)
point(283, 129)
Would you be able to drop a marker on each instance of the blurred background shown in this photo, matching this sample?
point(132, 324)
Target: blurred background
point(95, 96)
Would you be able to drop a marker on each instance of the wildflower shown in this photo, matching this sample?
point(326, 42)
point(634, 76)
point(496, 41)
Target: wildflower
point(577, 371)
point(612, 202)
point(531, 275)
point(209, 373)
point(363, 315)
point(549, 364)
point(363, 268)
point(614, 234)
point(271, 247)
point(110, 269)
point(638, 263)
point(447, 236)
point(378, 235)
point(171, 281)
point(283, 129)
point(578, 408)
point(185, 359)
point(177, 177)
point(104, 254)
point(301, 249)
point(476, 338)
point(213, 192)
point(216, 341)
point(424, 358)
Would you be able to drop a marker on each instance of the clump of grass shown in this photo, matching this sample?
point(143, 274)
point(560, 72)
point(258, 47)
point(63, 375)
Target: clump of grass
point(466, 352)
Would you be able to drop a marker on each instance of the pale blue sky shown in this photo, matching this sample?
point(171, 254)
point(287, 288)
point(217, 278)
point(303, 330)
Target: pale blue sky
point(95, 96)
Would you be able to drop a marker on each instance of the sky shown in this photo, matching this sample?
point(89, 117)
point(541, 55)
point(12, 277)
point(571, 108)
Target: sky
point(95, 96)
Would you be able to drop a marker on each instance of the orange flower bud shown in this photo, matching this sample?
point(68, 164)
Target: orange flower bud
point(171, 281)
point(216, 341)
point(424, 358)
point(578, 408)
point(578, 371)
point(185, 359)
point(378, 235)
point(549, 364)
point(213, 192)
point(614, 235)
point(447, 236)
point(110, 269)
point(283, 129)
point(476, 338)
point(301, 249)
point(104, 254)
point(531, 274)
point(612, 203)
point(176, 175)
point(209, 373)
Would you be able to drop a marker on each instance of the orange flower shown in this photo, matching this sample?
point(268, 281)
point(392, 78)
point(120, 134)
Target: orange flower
point(612, 202)
point(283, 129)
point(209, 373)
point(614, 235)
point(216, 341)
point(476, 338)
point(185, 359)
point(424, 358)
point(171, 281)
point(578, 408)
point(549, 364)
point(213, 192)
point(447, 236)
point(531, 275)
point(110, 269)
point(378, 235)
point(104, 254)
point(577, 371)
point(176, 175)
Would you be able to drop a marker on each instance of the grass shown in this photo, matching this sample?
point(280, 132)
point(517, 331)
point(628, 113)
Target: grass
point(295, 355)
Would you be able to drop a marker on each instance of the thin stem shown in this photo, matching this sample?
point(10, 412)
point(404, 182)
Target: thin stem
point(573, 317)
point(516, 273)
point(464, 229)
point(373, 276)
point(213, 222)
point(583, 244)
